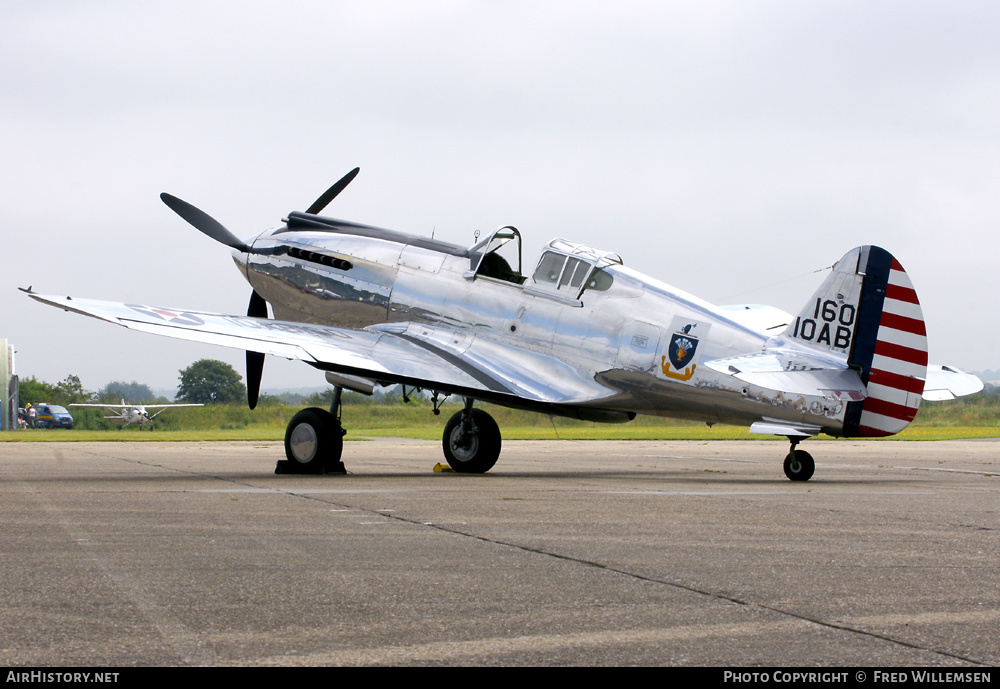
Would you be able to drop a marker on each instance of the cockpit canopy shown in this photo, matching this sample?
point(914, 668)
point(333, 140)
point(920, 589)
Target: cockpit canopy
point(565, 269)
point(571, 268)
point(499, 256)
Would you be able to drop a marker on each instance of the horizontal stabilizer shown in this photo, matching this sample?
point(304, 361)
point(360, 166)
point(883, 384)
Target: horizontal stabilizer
point(948, 382)
point(795, 373)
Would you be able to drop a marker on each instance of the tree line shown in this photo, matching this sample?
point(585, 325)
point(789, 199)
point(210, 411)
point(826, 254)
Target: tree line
point(207, 381)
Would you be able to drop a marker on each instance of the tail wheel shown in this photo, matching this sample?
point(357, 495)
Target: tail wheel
point(799, 465)
point(471, 442)
point(314, 442)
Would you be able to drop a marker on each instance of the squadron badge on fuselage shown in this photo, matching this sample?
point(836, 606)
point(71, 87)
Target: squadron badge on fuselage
point(679, 361)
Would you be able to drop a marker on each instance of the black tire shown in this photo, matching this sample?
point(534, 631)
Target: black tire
point(314, 441)
point(475, 452)
point(801, 468)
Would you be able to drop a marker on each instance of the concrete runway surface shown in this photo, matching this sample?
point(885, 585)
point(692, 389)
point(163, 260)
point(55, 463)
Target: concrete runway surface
point(568, 552)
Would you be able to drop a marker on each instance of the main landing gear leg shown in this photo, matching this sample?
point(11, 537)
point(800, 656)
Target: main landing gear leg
point(799, 464)
point(314, 441)
point(471, 441)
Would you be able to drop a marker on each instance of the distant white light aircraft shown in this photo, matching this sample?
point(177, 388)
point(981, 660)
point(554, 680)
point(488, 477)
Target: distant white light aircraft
point(129, 414)
point(580, 336)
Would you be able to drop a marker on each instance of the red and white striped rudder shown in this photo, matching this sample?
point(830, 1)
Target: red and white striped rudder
point(890, 348)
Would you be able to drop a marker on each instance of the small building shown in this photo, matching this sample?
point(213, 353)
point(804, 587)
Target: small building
point(8, 387)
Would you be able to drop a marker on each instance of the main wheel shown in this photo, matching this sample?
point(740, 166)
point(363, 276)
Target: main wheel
point(799, 467)
point(314, 441)
point(472, 445)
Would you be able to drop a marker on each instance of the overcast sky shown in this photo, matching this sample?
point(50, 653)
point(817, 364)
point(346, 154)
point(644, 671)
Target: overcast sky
point(730, 148)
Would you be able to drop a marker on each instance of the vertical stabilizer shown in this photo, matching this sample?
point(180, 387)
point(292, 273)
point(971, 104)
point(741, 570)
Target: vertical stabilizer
point(829, 319)
point(867, 312)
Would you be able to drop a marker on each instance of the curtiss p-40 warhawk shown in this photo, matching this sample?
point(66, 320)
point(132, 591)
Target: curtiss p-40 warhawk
point(139, 414)
point(580, 335)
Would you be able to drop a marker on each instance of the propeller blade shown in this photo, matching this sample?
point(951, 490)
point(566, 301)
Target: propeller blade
point(257, 307)
point(255, 370)
point(204, 222)
point(330, 194)
point(255, 360)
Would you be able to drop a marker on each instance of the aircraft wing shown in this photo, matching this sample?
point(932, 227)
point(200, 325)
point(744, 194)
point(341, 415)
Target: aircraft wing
point(436, 358)
point(102, 406)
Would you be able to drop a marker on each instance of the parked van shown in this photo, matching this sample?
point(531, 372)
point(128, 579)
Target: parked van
point(52, 416)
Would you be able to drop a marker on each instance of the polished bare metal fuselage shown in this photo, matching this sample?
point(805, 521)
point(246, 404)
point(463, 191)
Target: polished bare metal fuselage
point(618, 335)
